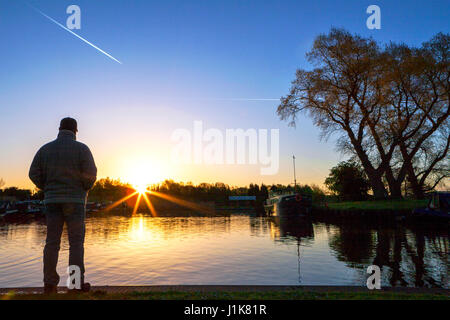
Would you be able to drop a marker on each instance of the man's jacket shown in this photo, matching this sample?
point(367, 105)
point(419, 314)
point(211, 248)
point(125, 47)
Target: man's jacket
point(64, 169)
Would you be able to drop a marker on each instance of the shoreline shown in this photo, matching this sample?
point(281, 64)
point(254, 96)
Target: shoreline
point(231, 292)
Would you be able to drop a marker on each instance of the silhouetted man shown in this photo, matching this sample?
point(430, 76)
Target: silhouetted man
point(65, 170)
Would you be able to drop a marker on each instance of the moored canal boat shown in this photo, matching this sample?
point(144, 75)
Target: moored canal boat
point(288, 204)
point(7, 207)
point(438, 207)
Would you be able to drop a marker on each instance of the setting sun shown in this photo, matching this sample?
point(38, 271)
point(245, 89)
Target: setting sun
point(141, 172)
point(141, 188)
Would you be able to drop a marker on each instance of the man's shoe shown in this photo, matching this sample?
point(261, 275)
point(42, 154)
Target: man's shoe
point(85, 287)
point(50, 288)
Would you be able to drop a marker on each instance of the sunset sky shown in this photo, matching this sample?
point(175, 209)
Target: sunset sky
point(219, 62)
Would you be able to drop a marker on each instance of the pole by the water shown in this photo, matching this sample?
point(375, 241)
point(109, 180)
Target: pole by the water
point(295, 179)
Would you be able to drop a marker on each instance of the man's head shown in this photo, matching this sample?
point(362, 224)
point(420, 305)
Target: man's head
point(68, 124)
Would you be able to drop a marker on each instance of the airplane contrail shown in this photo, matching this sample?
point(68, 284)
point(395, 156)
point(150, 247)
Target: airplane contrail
point(81, 38)
point(253, 99)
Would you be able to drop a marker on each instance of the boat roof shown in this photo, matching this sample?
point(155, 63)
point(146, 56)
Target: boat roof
point(443, 194)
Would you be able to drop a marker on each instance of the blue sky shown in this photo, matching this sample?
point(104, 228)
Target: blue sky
point(182, 61)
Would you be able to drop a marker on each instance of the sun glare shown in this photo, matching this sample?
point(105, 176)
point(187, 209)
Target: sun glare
point(140, 173)
point(141, 188)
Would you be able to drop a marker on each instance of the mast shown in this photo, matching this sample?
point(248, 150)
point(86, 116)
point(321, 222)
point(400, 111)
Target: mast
point(295, 179)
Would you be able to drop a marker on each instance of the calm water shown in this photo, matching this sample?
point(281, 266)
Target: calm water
point(142, 250)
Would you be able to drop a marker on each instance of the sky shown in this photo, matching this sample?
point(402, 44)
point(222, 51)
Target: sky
point(224, 63)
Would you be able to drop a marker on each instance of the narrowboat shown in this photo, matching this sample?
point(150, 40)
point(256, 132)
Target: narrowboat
point(288, 204)
point(438, 207)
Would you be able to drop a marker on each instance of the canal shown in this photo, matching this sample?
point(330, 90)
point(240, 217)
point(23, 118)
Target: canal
point(236, 249)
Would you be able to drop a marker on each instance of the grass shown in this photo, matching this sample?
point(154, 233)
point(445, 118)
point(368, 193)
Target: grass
point(378, 205)
point(266, 295)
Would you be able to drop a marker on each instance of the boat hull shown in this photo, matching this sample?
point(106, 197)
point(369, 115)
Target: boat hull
point(295, 209)
point(292, 207)
point(427, 213)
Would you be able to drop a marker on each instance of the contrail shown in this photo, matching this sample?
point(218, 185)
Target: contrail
point(252, 99)
point(59, 24)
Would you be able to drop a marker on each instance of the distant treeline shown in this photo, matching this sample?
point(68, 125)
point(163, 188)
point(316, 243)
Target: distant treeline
point(15, 193)
point(112, 190)
point(205, 191)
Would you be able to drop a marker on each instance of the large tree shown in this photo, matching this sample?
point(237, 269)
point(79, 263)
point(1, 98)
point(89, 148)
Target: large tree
point(342, 95)
point(418, 110)
point(356, 91)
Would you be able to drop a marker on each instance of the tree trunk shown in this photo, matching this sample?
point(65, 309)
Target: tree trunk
point(374, 175)
point(416, 187)
point(395, 185)
point(396, 190)
point(377, 185)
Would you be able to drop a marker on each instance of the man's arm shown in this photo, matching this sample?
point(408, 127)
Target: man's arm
point(88, 169)
point(36, 173)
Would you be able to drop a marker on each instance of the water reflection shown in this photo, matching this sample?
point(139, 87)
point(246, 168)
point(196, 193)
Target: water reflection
point(298, 231)
point(413, 256)
point(142, 250)
point(291, 230)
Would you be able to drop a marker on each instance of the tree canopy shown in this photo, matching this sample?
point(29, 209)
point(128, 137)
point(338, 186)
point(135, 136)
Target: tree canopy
point(348, 180)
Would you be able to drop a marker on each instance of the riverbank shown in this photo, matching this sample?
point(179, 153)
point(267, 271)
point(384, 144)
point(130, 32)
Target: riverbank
point(215, 292)
point(408, 204)
point(379, 210)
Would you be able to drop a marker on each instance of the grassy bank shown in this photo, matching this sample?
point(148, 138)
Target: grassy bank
point(267, 295)
point(377, 205)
